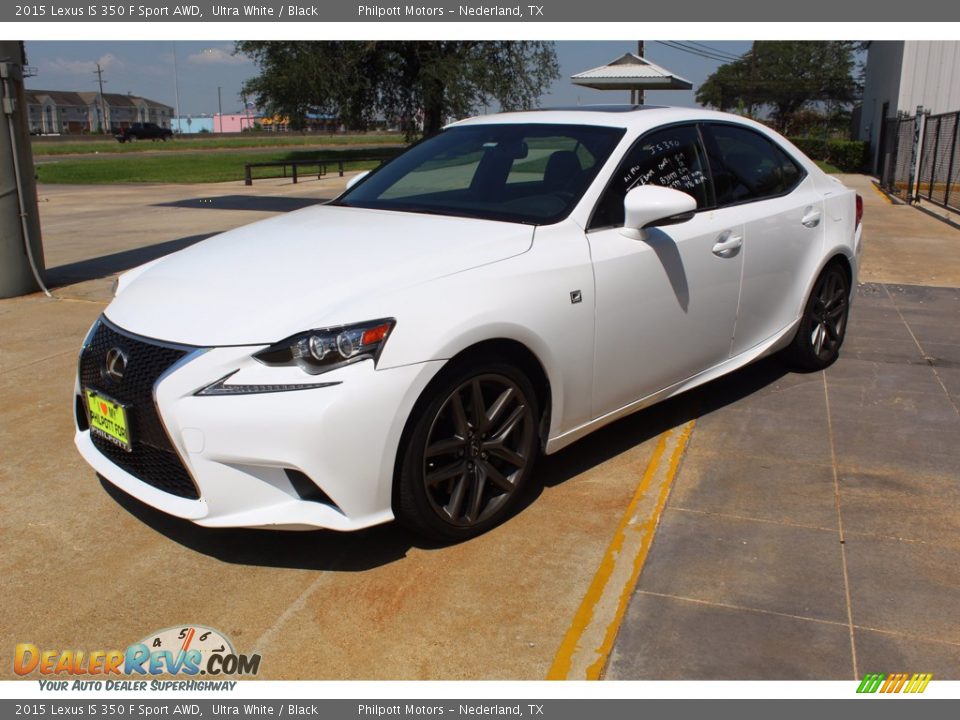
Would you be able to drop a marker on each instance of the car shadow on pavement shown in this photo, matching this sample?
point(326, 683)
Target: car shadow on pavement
point(262, 203)
point(99, 267)
point(304, 550)
point(373, 547)
point(620, 436)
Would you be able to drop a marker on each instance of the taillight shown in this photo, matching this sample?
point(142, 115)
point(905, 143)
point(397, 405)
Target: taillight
point(859, 210)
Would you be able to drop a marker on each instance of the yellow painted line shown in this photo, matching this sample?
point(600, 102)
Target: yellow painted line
point(635, 530)
point(647, 530)
point(882, 194)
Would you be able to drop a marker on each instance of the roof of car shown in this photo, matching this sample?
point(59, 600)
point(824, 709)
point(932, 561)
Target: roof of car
point(625, 116)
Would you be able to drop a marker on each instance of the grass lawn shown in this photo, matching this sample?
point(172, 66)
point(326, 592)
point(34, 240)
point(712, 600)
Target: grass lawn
point(199, 142)
point(220, 166)
point(186, 167)
point(827, 167)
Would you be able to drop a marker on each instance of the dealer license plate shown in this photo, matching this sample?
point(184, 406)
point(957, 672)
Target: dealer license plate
point(108, 419)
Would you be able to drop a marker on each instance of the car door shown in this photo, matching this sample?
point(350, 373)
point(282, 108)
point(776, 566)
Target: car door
point(782, 213)
point(665, 305)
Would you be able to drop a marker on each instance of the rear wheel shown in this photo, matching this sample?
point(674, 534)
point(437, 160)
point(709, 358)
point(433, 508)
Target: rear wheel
point(824, 322)
point(470, 453)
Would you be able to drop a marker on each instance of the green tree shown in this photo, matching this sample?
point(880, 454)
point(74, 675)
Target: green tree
point(785, 77)
point(407, 82)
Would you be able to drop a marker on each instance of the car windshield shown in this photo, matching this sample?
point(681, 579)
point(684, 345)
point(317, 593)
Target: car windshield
point(525, 173)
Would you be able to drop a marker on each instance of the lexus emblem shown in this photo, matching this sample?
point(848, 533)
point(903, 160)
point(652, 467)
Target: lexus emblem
point(115, 364)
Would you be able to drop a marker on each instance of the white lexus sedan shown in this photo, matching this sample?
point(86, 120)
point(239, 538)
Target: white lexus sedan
point(495, 292)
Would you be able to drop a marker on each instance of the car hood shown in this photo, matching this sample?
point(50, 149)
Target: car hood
point(262, 282)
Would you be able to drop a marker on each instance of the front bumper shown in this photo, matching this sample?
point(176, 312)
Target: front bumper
point(239, 449)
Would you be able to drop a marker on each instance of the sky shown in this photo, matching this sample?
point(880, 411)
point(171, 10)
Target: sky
point(147, 69)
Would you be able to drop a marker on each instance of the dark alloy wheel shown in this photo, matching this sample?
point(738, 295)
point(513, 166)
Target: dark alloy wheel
point(470, 454)
point(824, 322)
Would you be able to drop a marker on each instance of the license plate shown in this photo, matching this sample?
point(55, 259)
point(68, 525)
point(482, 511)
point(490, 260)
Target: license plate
point(108, 419)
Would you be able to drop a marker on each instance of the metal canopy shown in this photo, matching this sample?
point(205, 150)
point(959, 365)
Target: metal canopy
point(631, 72)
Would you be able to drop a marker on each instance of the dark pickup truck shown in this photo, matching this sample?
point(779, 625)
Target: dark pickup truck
point(143, 131)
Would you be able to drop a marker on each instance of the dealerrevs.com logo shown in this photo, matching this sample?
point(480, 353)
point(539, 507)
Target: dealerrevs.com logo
point(191, 651)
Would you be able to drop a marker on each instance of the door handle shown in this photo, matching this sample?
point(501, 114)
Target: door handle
point(811, 219)
point(728, 245)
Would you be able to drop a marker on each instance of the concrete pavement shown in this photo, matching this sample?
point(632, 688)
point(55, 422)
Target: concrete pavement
point(813, 530)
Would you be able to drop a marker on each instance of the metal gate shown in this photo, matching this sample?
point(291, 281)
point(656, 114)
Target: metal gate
point(921, 158)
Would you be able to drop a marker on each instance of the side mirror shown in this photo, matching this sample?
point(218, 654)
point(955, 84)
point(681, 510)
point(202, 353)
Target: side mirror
point(356, 178)
point(649, 206)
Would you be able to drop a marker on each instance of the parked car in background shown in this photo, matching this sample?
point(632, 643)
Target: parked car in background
point(143, 131)
point(495, 292)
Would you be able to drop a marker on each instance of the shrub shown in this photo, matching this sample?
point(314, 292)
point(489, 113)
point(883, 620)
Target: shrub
point(848, 155)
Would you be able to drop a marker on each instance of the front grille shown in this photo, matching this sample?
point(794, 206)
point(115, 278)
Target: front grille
point(153, 458)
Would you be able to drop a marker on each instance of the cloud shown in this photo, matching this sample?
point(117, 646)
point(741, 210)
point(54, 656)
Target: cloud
point(83, 67)
point(216, 56)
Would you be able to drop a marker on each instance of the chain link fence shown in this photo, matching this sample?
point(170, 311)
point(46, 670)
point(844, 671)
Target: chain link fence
point(920, 158)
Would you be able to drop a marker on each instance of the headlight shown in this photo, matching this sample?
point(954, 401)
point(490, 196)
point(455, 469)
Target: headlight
point(317, 351)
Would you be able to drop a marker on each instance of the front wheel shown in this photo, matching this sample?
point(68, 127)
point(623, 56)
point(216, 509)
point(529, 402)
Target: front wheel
point(470, 453)
point(824, 322)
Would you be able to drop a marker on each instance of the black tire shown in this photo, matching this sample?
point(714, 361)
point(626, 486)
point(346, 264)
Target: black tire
point(824, 322)
point(463, 472)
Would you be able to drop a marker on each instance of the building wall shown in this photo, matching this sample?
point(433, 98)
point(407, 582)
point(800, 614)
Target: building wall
point(234, 122)
point(46, 116)
point(881, 85)
point(931, 76)
point(51, 119)
point(192, 125)
point(905, 75)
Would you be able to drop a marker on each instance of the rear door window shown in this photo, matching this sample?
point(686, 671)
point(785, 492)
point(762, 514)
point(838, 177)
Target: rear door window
point(747, 166)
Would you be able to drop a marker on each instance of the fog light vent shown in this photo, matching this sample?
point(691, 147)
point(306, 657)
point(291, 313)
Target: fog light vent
point(307, 489)
point(82, 423)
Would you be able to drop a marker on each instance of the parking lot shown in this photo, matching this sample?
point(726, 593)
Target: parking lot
point(769, 525)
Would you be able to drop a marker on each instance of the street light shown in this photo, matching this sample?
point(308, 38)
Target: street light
point(219, 109)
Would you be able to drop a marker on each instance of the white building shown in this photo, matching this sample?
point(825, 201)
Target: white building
point(902, 75)
point(59, 112)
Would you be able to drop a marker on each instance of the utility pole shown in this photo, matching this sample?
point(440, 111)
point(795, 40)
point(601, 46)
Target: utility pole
point(219, 110)
point(639, 91)
point(21, 250)
point(176, 87)
point(103, 109)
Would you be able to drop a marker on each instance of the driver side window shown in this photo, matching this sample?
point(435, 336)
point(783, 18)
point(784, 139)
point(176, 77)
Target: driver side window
point(672, 158)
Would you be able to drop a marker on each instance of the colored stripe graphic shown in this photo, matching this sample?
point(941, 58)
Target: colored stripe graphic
point(918, 683)
point(871, 682)
point(894, 683)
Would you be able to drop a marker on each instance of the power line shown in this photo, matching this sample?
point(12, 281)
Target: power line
point(696, 51)
point(718, 51)
point(715, 53)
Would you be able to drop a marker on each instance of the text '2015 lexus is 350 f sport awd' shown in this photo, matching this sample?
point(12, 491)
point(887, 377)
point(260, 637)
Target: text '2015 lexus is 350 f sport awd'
point(495, 292)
